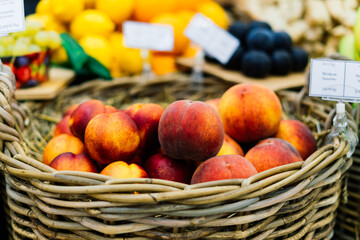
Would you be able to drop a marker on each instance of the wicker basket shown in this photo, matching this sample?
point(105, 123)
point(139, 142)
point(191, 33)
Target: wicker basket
point(296, 201)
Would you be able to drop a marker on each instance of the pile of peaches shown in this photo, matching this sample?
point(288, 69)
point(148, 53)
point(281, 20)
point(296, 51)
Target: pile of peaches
point(188, 142)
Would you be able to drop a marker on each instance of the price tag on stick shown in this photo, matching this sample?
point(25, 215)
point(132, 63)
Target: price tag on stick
point(148, 36)
point(12, 16)
point(214, 40)
point(335, 80)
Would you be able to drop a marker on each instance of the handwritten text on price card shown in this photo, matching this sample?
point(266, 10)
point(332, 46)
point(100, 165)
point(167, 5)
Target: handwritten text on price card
point(12, 17)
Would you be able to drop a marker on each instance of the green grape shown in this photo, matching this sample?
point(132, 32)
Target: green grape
point(34, 48)
point(24, 40)
point(9, 50)
point(20, 48)
point(42, 38)
point(32, 27)
point(7, 40)
point(18, 34)
point(54, 40)
point(2, 51)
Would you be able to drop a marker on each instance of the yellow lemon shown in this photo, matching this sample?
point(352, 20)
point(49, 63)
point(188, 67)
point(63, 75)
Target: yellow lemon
point(215, 12)
point(48, 21)
point(98, 47)
point(131, 62)
point(89, 4)
point(190, 4)
point(117, 10)
point(59, 55)
point(91, 21)
point(43, 7)
point(66, 10)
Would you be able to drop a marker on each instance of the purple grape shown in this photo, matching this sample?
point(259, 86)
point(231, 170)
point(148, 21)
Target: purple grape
point(21, 61)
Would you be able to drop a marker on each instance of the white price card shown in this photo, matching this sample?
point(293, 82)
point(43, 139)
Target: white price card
point(214, 40)
point(148, 36)
point(335, 79)
point(12, 16)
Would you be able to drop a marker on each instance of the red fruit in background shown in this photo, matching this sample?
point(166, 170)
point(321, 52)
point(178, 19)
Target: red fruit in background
point(74, 162)
point(190, 130)
point(223, 167)
point(110, 109)
point(163, 167)
point(63, 127)
point(23, 74)
point(70, 109)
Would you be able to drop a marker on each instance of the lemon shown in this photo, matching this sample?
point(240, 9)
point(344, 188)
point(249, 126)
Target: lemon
point(48, 21)
point(66, 10)
point(117, 10)
point(59, 55)
point(91, 21)
point(98, 47)
point(125, 60)
point(43, 7)
point(89, 4)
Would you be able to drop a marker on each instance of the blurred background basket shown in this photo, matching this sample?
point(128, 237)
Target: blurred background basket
point(295, 201)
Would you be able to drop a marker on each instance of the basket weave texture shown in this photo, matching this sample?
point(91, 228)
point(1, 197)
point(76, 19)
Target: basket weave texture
point(295, 201)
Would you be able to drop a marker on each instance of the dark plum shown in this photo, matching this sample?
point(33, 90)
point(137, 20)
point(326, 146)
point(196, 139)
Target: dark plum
point(21, 61)
point(299, 58)
point(260, 24)
point(260, 39)
point(256, 64)
point(239, 30)
point(281, 62)
point(235, 60)
point(282, 40)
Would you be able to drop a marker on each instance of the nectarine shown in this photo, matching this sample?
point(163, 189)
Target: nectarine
point(299, 135)
point(223, 167)
point(215, 102)
point(272, 152)
point(121, 169)
point(61, 144)
point(63, 127)
point(230, 147)
point(250, 112)
point(163, 167)
point(111, 137)
point(74, 162)
point(190, 130)
point(83, 114)
point(147, 117)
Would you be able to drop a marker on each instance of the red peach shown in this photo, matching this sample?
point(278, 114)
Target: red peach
point(299, 135)
point(215, 103)
point(70, 109)
point(223, 167)
point(111, 137)
point(63, 127)
point(110, 109)
point(163, 167)
point(147, 117)
point(190, 130)
point(230, 147)
point(61, 144)
point(250, 112)
point(74, 162)
point(83, 114)
point(272, 152)
point(121, 169)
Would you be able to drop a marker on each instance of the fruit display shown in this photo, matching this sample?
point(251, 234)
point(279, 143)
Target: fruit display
point(263, 51)
point(316, 26)
point(187, 141)
point(97, 26)
point(28, 53)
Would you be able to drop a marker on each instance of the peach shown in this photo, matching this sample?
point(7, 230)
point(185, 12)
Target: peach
point(63, 127)
point(299, 135)
point(111, 137)
point(70, 109)
point(120, 169)
point(147, 117)
point(272, 152)
point(83, 114)
point(74, 162)
point(110, 109)
point(250, 112)
point(61, 144)
point(214, 103)
point(223, 167)
point(163, 167)
point(230, 147)
point(190, 130)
